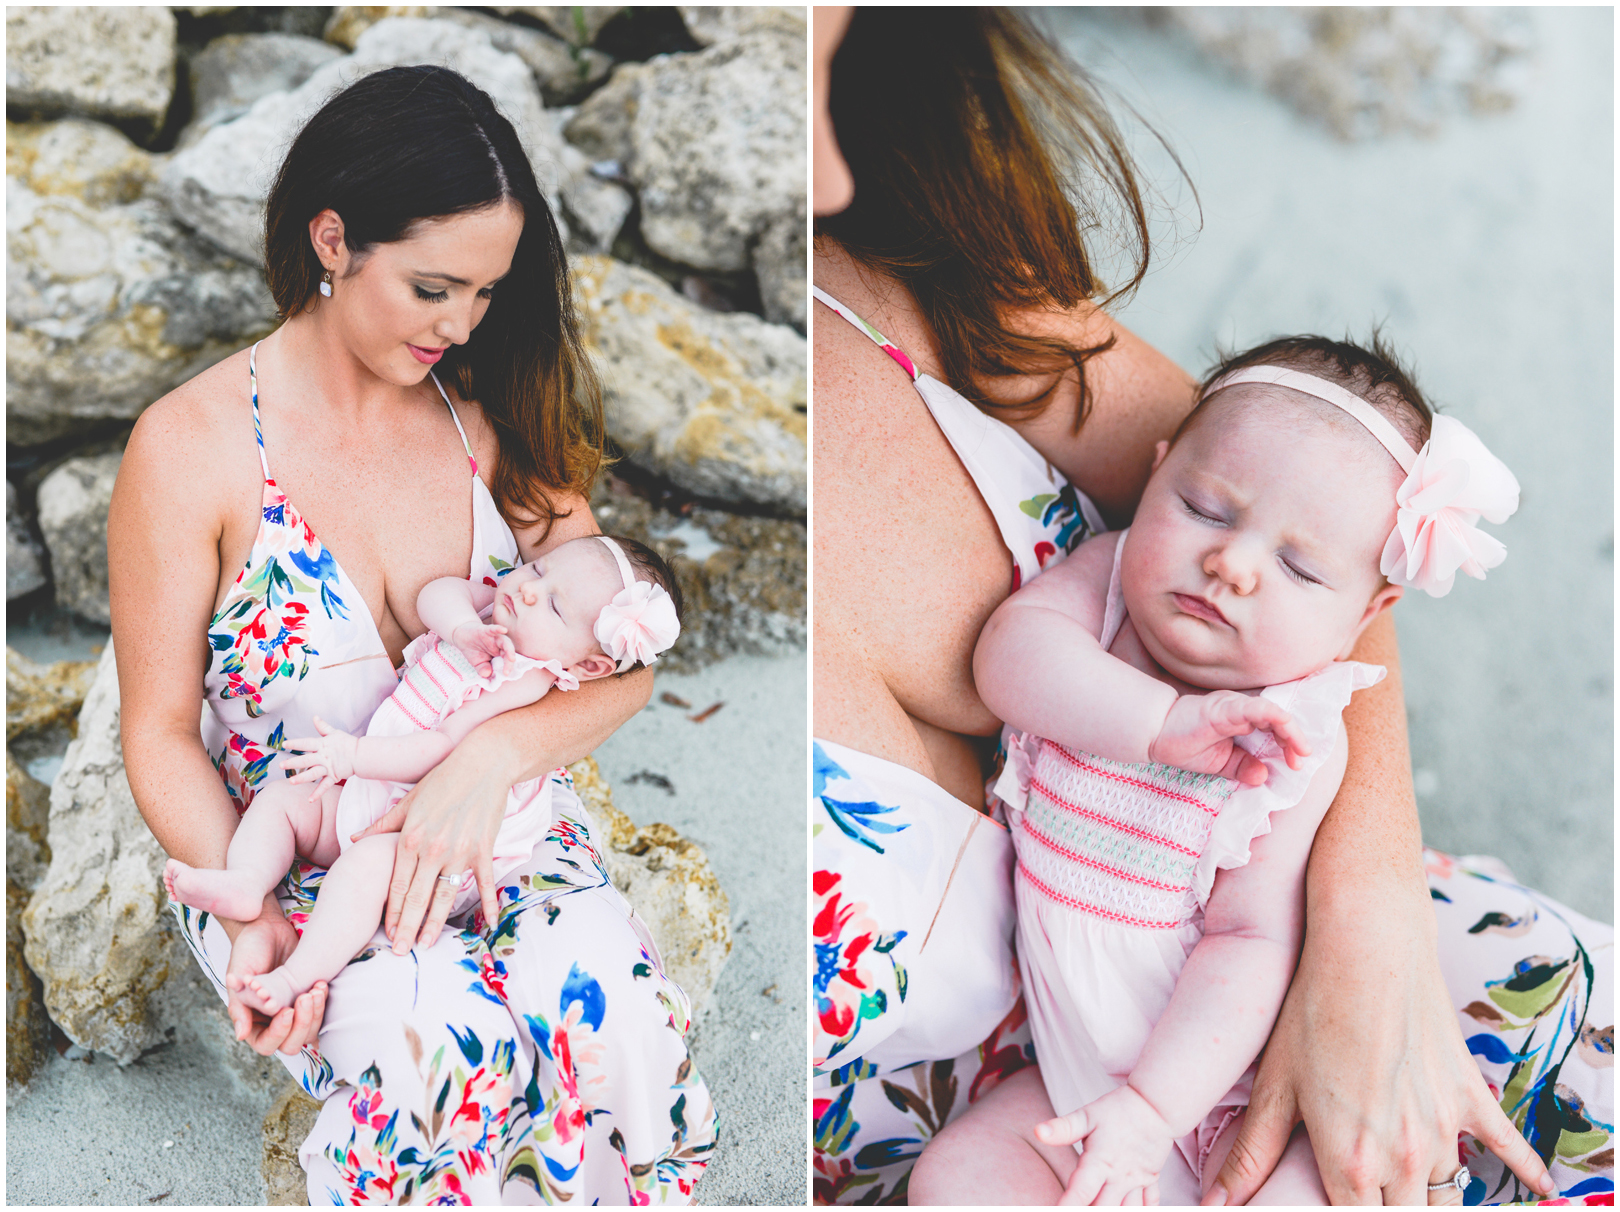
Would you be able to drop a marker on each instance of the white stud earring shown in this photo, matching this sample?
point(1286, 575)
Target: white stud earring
point(326, 284)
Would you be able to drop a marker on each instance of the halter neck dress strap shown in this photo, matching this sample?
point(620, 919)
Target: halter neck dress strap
point(1040, 515)
point(465, 445)
point(253, 384)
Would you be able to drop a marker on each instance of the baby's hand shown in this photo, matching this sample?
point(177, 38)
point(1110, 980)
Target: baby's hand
point(1197, 735)
point(326, 760)
point(480, 643)
point(1126, 1144)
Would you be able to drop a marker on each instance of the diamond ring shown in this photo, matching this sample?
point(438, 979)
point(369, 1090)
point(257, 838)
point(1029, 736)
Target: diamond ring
point(1459, 1180)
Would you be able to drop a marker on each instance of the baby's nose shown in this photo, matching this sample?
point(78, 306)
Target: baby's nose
point(530, 591)
point(1232, 564)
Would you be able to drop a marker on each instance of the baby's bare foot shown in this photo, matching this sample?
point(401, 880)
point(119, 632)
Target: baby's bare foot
point(270, 992)
point(216, 892)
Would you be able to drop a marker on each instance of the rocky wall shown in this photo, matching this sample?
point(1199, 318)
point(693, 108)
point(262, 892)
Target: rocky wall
point(669, 142)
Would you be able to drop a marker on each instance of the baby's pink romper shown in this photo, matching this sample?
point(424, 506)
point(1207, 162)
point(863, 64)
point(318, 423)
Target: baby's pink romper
point(1115, 865)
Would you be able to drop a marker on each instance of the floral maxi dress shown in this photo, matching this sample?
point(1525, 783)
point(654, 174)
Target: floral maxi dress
point(540, 1058)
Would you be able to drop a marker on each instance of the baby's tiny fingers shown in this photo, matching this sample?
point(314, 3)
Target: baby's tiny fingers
point(1065, 1129)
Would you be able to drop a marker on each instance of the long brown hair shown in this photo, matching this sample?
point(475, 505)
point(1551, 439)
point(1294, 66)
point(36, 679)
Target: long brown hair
point(413, 143)
point(971, 137)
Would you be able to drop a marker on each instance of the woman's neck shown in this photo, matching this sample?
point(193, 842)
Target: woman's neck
point(309, 356)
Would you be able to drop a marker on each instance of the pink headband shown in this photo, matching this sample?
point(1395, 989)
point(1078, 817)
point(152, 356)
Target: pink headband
point(640, 621)
point(1450, 484)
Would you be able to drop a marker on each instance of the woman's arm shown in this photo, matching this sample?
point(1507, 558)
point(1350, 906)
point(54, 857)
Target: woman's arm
point(163, 571)
point(1367, 1050)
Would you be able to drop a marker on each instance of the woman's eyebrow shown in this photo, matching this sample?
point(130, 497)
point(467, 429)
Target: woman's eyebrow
point(424, 273)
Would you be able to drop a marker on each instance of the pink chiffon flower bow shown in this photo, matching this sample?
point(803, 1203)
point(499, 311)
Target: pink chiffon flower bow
point(637, 624)
point(1452, 484)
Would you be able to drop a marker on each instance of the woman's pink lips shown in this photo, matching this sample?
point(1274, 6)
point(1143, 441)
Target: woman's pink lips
point(430, 356)
point(1199, 608)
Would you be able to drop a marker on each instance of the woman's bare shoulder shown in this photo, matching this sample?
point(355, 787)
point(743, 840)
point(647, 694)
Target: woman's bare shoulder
point(203, 411)
point(198, 439)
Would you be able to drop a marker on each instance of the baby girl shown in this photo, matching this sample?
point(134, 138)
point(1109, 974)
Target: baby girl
point(577, 613)
point(1179, 687)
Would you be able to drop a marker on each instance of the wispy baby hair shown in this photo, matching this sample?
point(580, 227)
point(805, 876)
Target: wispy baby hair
point(1373, 372)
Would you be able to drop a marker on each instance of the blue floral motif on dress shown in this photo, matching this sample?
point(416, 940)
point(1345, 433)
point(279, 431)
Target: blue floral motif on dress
point(858, 820)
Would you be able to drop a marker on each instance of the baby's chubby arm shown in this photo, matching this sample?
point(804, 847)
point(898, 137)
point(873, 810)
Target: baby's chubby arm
point(1223, 1008)
point(450, 606)
point(1040, 666)
point(336, 755)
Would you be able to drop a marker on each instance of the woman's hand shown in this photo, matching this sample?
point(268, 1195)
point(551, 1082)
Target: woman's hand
point(259, 947)
point(1126, 1142)
point(1368, 1053)
point(447, 825)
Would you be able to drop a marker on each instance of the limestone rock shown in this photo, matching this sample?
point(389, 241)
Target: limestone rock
point(28, 1028)
point(219, 184)
point(1369, 71)
point(713, 402)
point(710, 24)
point(601, 126)
point(577, 25)
point(780, 258)
point(669, 881)
point(108, 309)
point(25, 558)
point(77, 158)
point(95, 932)
point(73, 503)
point(717, 148)
point(286, 1124)
point(743, 579)
point(349, 21)
point(115, 63)
point(41, 697)
point(234, 71)
point(597, 209)
point(563, 73)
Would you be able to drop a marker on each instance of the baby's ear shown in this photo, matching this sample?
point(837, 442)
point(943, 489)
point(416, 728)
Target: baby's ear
point(1380, 602)
point(597, 665)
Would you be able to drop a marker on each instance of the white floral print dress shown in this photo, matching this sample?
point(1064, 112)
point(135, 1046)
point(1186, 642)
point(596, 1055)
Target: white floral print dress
point(540, 1058)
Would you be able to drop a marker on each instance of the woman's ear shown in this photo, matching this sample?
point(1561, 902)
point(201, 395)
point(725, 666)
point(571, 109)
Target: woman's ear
point(597, 665)
point(326, 234)
point(1381, 601)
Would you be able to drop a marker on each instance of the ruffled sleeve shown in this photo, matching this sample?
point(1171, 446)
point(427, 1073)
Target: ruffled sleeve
point(511, 671)
point(417, 649)
point(1317, 703)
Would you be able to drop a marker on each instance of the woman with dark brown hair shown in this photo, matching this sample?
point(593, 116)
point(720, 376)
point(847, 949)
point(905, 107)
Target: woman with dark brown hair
point(964, 172)
point(533, 1051)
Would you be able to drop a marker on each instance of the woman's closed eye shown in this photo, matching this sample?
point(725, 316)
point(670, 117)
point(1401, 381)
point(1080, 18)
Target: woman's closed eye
point(439, 296)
